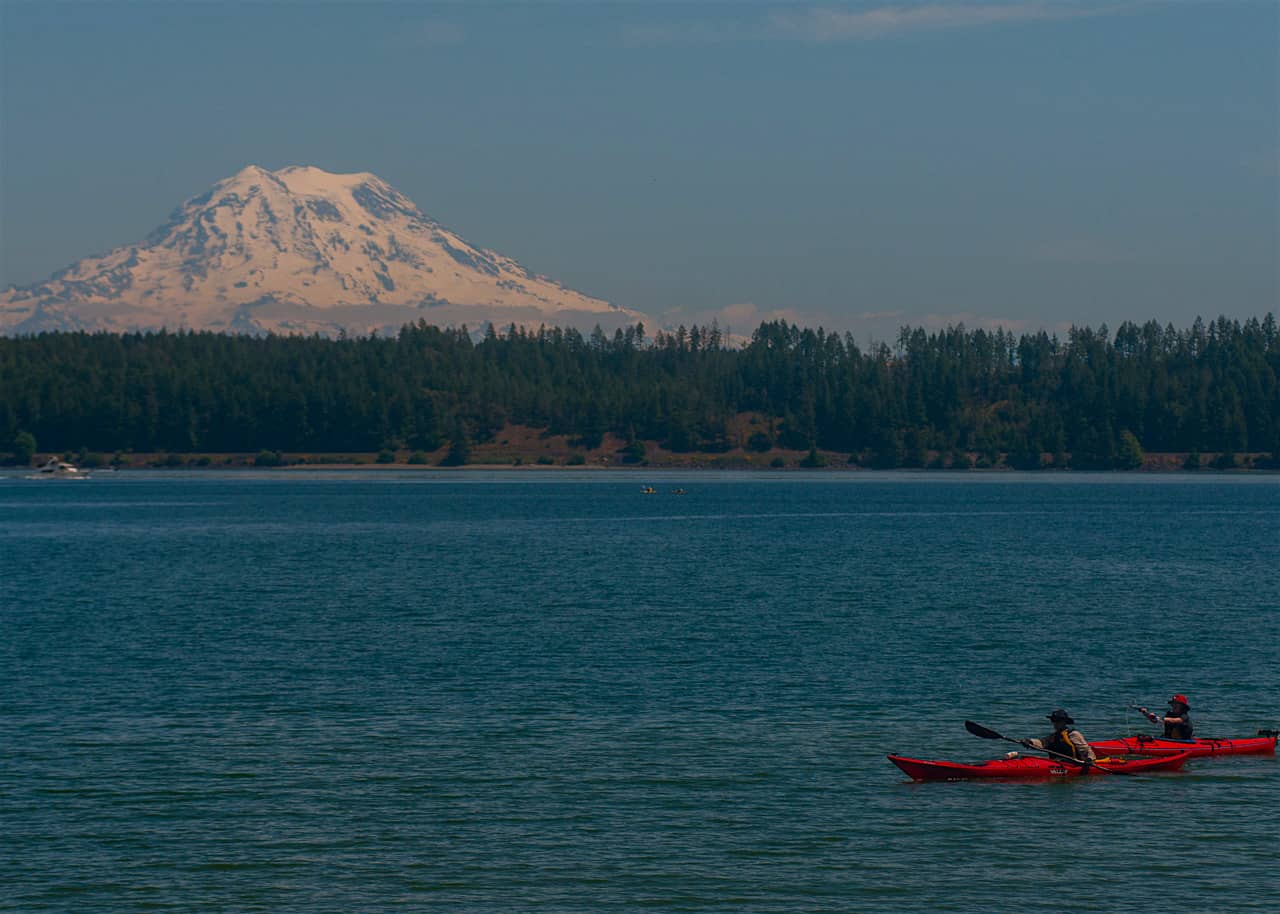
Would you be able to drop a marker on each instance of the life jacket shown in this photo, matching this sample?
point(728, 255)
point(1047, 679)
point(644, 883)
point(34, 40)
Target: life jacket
point(1182, 729)
point(1060, 742)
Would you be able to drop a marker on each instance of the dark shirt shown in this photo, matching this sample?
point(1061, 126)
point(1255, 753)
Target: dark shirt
point(1178, 726)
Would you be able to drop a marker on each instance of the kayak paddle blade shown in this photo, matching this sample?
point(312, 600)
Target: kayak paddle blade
point(979, 730)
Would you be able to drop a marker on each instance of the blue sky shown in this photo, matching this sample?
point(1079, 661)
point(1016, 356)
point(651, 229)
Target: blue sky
point(858, 165)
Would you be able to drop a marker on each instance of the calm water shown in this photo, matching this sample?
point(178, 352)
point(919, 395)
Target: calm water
point(548, 692)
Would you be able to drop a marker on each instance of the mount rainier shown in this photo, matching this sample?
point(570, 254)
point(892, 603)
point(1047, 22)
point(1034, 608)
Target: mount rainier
point(298, 250)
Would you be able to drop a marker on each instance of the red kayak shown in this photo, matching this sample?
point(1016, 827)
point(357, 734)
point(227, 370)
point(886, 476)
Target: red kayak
point(1159, 746)
point(1031, 766)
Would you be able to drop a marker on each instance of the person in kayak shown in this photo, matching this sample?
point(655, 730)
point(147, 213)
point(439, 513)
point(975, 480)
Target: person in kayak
point(1177, 723)
point(1064, 740)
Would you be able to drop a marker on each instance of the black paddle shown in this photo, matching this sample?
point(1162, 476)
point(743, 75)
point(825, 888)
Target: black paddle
point(986, 733)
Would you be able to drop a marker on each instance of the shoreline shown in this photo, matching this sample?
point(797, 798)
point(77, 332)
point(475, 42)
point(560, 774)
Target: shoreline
point(770, 462)
point(522, 448)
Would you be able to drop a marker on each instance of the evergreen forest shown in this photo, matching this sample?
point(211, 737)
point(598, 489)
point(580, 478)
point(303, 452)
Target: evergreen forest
point(1093, 400)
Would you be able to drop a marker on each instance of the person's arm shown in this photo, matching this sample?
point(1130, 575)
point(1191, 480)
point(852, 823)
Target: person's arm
point(1083, 749)
point(1154, 718)
point(1034, 743)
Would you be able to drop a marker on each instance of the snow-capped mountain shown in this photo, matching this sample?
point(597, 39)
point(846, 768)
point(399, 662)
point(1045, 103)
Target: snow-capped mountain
point(298, 250)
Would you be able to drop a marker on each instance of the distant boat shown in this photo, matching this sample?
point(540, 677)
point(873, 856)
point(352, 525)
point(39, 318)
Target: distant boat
point(60, 469)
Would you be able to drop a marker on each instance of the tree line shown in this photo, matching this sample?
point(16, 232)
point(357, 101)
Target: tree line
point(1091, 400)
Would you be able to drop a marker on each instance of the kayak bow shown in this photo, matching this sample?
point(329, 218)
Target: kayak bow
point(1028, 766)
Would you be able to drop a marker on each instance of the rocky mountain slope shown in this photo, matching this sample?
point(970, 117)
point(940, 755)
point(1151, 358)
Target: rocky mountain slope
point(298, 250)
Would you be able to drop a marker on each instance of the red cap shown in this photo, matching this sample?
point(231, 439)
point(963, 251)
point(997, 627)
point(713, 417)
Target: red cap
point(1182, 699)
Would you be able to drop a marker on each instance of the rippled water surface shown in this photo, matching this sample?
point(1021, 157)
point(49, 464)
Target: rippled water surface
point(549, 692)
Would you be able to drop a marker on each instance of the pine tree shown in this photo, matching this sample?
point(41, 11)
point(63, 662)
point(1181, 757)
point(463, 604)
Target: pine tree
point(1129, 456)
point(24, 448)
point(459, 446)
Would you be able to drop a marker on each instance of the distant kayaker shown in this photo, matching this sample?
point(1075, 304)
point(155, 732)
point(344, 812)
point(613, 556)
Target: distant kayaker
point(1177, 723)
point(1064, 740)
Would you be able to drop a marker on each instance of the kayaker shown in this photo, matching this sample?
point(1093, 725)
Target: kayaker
point(1064, 740)
point(1177, 723)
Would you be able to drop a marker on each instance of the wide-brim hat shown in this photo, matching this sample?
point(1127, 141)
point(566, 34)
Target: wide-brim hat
point(1060, 715)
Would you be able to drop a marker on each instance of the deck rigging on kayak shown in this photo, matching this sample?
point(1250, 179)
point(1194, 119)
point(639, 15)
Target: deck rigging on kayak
point(1262, 744)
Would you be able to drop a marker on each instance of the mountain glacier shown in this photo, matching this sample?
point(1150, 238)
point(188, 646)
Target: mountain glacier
point(299, 250)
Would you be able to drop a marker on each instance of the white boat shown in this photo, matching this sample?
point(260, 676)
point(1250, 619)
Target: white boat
point(60, 469)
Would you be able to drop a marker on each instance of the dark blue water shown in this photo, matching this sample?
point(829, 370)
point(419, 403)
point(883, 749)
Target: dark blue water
point(548, 692)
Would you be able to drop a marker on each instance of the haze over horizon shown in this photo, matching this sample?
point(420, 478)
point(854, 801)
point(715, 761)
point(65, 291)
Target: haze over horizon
point(856, 165)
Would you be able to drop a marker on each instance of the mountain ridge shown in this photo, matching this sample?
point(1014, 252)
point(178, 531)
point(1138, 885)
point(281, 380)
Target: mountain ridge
point(298, 250)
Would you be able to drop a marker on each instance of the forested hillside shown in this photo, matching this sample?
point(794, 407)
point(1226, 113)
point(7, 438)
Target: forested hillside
point(1088, 400)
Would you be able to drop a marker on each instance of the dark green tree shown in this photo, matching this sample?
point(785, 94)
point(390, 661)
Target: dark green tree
point(24, 448)
point(1129, 455)
point(813, 459)
point(459, 446)
point(760, 442)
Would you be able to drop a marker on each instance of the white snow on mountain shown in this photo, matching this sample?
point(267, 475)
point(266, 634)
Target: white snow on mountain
point(299, 250)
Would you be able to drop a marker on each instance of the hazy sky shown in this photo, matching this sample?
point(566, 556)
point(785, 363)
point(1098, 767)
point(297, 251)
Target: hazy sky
point(859, 165)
